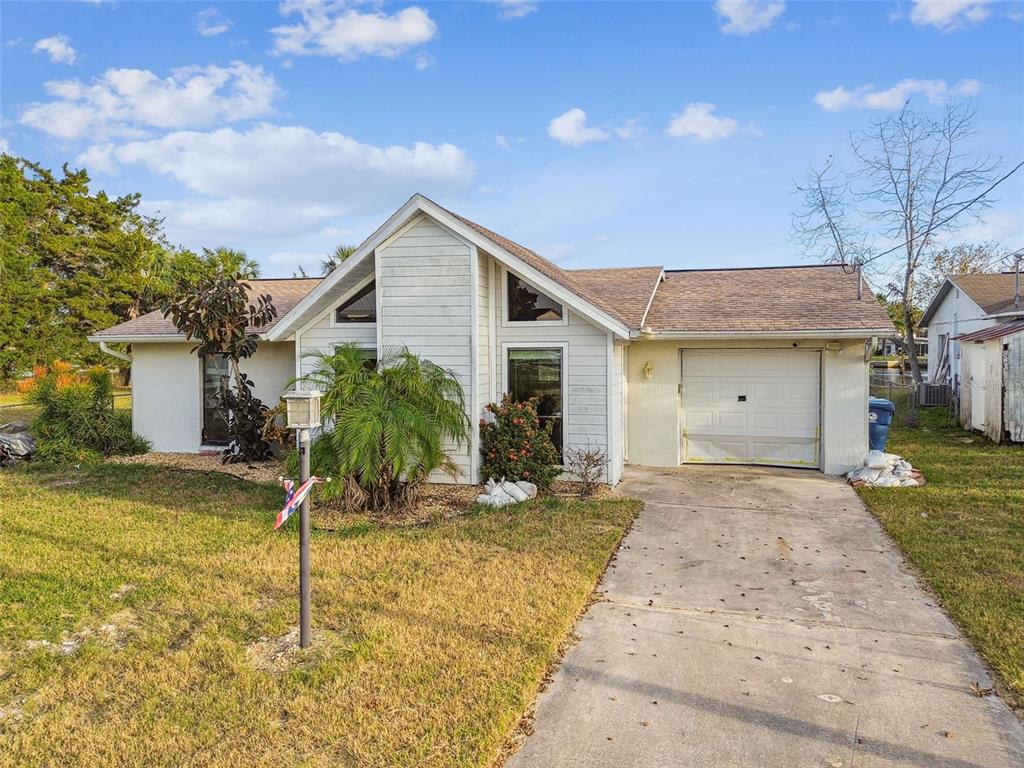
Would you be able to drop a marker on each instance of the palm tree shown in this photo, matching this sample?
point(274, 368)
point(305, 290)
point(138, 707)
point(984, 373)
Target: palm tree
point(390, 421)
point(334, 259)
point(232, 261)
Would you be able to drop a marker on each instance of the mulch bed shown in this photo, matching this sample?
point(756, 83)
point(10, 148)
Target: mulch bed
point(436, 501)
point(258, 472)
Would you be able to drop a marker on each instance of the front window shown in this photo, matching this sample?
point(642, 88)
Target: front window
point(526, 304)
point(361, 308)
point(538, 373)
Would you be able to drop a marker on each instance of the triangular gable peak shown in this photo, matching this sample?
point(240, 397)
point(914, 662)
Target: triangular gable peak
point(522, 262)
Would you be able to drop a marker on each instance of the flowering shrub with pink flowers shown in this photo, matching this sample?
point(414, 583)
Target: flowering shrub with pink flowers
point(514, 445)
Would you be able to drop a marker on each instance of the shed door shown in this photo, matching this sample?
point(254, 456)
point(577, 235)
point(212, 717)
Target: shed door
point(751, 406)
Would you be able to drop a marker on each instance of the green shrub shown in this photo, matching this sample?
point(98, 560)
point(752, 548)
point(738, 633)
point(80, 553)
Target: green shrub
point(389, 424)
point(515, 446)
point(76, 419)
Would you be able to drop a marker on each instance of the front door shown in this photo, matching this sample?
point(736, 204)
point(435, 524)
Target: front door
point(215, 375)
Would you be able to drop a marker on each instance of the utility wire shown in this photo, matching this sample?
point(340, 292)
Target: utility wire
point(956, 213)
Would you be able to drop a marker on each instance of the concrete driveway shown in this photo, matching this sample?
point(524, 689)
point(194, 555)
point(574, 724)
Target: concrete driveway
point(760, 617)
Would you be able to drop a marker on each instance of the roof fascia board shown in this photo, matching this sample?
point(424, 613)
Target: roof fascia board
point(286, 326)
point(933, 305)
point(531, 275)
point(845, 333)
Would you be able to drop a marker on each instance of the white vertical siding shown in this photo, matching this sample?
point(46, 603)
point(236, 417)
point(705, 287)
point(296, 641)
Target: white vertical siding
point(586, 409)
point(425, 293)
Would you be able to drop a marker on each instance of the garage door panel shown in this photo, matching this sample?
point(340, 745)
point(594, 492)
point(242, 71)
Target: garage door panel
point(751, 406)
point(696, 419)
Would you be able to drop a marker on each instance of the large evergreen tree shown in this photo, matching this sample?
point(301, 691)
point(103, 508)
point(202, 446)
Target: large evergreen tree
point(72, 262)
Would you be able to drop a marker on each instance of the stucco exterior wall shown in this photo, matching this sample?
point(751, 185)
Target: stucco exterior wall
point(167, 389)
point(653, 404)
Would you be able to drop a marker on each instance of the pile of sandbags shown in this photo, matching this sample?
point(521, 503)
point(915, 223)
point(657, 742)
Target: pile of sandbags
point(503, 493)
point(16, 442)
point(885, 470)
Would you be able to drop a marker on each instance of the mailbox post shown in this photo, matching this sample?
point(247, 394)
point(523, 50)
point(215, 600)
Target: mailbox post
point(303, 407)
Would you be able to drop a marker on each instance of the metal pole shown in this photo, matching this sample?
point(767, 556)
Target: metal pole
point(304, 592)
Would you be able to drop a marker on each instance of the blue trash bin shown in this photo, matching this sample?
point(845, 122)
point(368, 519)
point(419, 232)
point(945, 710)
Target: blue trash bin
point(880, 413)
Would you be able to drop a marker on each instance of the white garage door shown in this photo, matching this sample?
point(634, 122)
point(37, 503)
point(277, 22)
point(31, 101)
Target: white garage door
point(751, 406)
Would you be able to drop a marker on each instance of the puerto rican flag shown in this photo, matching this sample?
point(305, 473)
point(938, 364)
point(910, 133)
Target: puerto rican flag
point(293, 498)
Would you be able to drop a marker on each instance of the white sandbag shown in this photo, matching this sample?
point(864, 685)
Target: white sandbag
point(876, 460)
point(514, 491)
point(486, 499)
point(489, 485)
point(528, 488)
point(502, 498)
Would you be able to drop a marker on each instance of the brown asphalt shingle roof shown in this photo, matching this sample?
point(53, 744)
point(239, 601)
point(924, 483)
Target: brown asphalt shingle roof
point(627, 288)
point(992, 292)
point(285, 293)
point(563, 277)
point(764, 300)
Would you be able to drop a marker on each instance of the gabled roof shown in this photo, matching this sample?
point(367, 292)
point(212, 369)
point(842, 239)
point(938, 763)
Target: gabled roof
point(992, 292)
point(629, 289)
point(566, 278)
point(545, 275)
point(765, 300)
point(285, 293)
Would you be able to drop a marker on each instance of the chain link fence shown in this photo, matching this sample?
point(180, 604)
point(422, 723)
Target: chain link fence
point(917, 405)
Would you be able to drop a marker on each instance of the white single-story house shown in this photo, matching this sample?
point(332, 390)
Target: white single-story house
point(962, 305)
point(655, 367)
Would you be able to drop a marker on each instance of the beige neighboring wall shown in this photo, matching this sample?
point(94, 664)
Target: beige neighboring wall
point(653, 404)
point(167, 389)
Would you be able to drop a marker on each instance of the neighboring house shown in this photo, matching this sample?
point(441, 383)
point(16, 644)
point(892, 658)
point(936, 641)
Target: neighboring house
point(893, 346)
point(965, 303)
point(992, 381)
point(652, 366)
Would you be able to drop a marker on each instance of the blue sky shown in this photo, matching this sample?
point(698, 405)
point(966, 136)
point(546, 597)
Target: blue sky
point(599, 134)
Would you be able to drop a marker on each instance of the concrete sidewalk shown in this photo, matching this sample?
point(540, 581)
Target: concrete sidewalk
point(760, 617)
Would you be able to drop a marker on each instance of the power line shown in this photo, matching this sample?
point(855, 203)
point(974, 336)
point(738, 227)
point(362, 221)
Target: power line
point(963, 208)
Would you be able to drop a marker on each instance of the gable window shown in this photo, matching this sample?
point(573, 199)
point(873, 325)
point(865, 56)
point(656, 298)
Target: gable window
point(528, 305)
point(361, 308)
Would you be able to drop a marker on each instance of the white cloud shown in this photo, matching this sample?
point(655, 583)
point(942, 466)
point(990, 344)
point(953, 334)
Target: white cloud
point(424, 61)
point(571, 129)
point(629, 129)
point(744, 17)
point(948, 15)
point(509, 10)
point(98, 157)
point(5, 146)
point(211, 22)
point(334, 29)
point(284, 181)
point(697, 121)
point(124, 102)
point(58, 48)
point(869, 97)
point(502, 142)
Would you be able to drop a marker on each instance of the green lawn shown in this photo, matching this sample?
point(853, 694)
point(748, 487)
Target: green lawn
point(433, 640)
point(964, 532)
